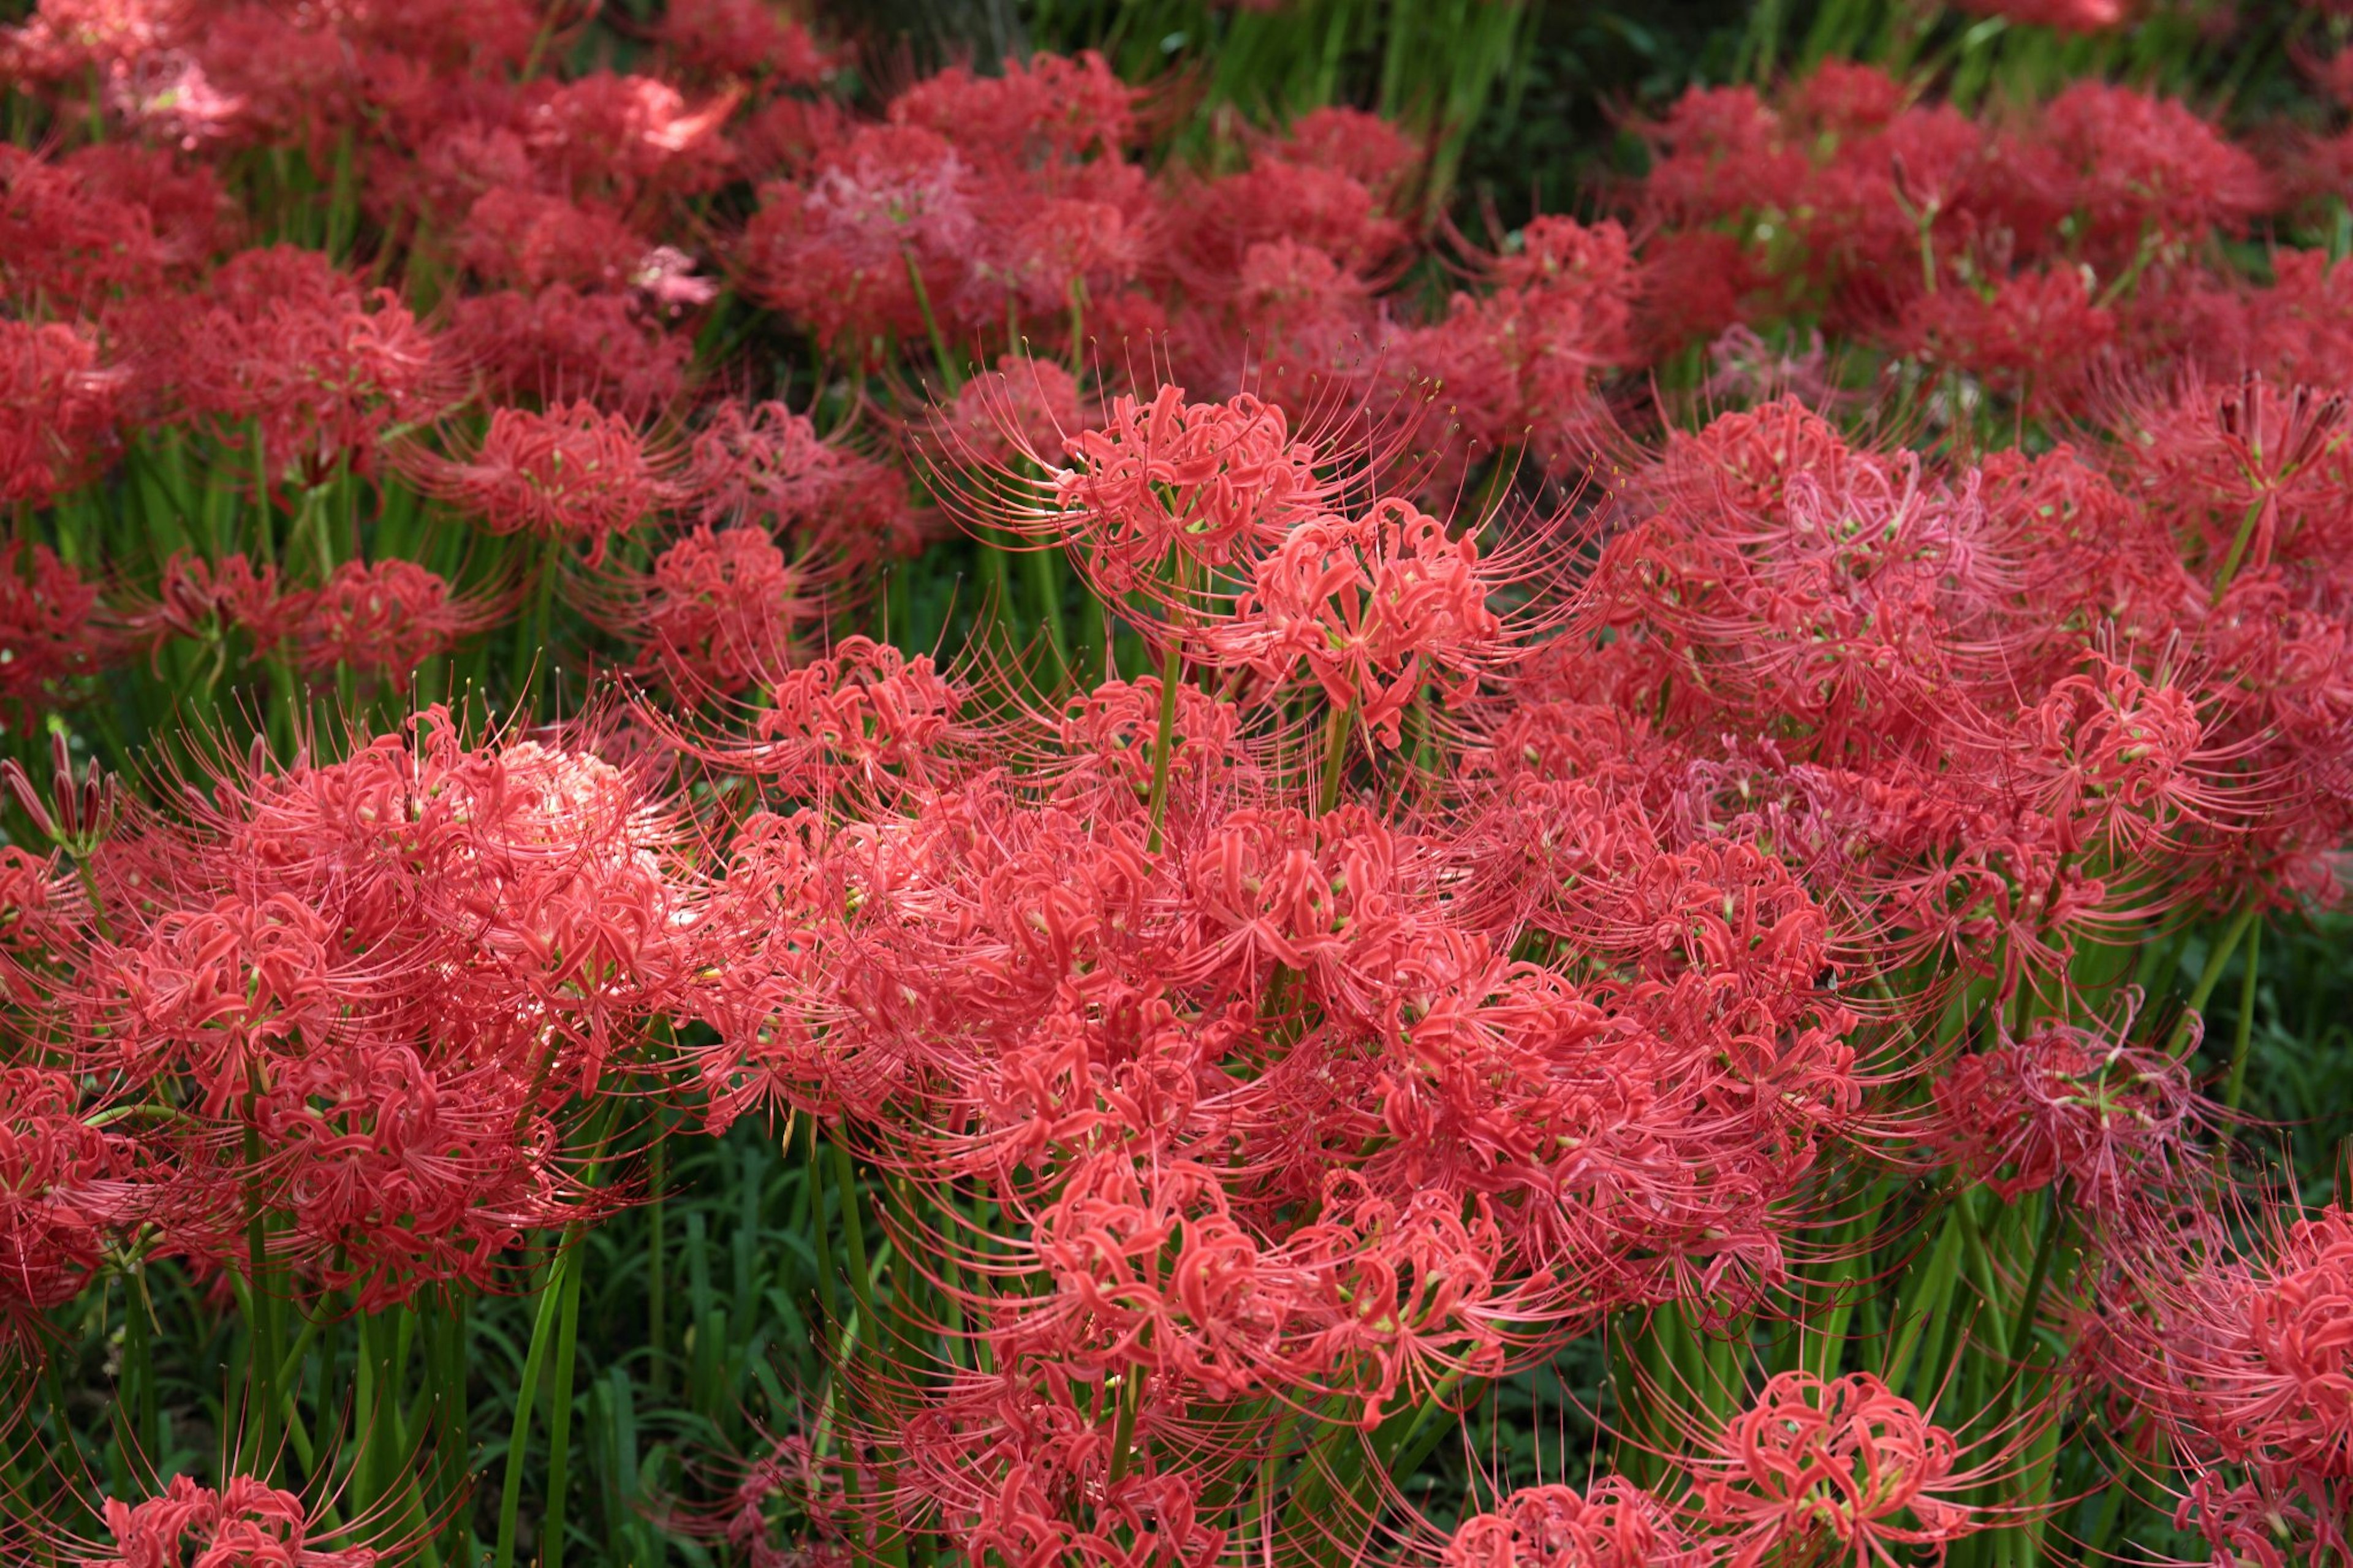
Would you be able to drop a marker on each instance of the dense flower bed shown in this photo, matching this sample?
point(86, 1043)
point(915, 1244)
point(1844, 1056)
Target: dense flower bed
point(1648, 777)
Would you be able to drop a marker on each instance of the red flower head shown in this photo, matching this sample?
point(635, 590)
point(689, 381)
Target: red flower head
point(67, 38)
point(1613, 1524)
point(67, 249)
point(1026, 407)
point(2247, 1359)
point(285, 340)
point(1055, 109)
point(575, 474)
point(49, 1216)
point(732, 38)
point(1374, 607)
point(247, 1523)
point(392, 972)
point(720, 610)
point(1204, 482)
point(57, 410)
point(2141, 170)
point(629, 138)
point(2062, 1102)
point(2039, 330)
point(1519, 365)
point(1842, 1468)
point(2299, 1407)
point(1369, 150)
point(49, 632)
point(206, 599)
point(561, 345)
point(384, 618)
point(530, 240)
point(765, 465)
point(839, 251)
point(1720, 152)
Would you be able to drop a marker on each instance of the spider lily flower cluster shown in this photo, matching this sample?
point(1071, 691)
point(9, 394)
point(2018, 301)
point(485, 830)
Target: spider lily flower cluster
point(1466, 823)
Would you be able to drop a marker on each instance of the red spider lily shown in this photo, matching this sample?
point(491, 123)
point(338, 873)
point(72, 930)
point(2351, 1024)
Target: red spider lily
point(2257, 1525)
point(1374, 608)
point(46, 908)
point(2112, 1119)
point(321, 367)
point(2042, 326)
point(2248, 471)
point(527, 239)
point(765, 465)
point(49, 629)
point(1612, 1524)
point(189, 216)
point(2134, 166)
point(559, 345)
point(71, 249)
point(1050, 107)
point(575, 474)
point(245, 1523)
point(732, 38)
point(722, 610)
point(1198, 486)
point(392, 972)
point(385, 618)
point(885, 208)
point(2245, 1357)
point(54, 1166)
point(628, 138)
point(2301, 1325)
point(57, 409)
point(1717, 153)
point(1025, 409)
point(964, 982)
point(206, 599)
point(1065, 250)
point(1838, 1467)
point(1228, 1092)
point(1290, 325)
point(1281, 199)
point(63, 38)
point(1518, 365)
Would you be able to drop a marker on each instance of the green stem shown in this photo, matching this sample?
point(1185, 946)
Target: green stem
point(559, 1424)
point(532, 631)
point(551, 1291)
point(2238, 551)
point(261, 1321)
point(2207, 978)
point(2046, 1249)
point(139, 1363)
point(2235, 1088)
point(1123, 1433)
point(1046, 583)
point(890, 1536)
point(98, 920)
point(1164, 741)
point(447, 1351)
point(549, 1325)
point(1336, 757)
point(826, 1294)
point(950, 378)
point(853, 1234)
point(656, 1267)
